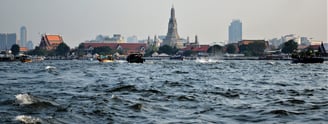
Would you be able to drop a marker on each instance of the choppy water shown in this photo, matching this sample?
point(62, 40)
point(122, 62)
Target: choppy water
point(163, 92)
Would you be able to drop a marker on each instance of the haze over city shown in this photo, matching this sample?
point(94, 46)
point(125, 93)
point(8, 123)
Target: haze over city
point(78, 21)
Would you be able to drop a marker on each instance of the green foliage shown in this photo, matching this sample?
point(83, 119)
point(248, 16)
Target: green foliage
point(150, 50)
point(62, 49)
point(253, 49)
point(289, 46)
point(38, 51)
point(187, 53)
point(80, 51)
point(231, 49)
point(81, 46)
point(168, 50)
point(15, 49)
point(215, 50)
point(103, 50)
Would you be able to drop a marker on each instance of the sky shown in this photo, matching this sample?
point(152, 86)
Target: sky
point(81, 20)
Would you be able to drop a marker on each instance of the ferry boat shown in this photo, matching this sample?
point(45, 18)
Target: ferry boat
point(6, 56)
point(135, 58)
point(310, 55)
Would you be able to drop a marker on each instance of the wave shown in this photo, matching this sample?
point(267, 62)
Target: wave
point(28, 119)
point(49, 68)
point(27, 99)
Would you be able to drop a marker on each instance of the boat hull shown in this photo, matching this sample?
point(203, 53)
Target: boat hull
point(135, 58)
point(307, 60)
point(26, 60)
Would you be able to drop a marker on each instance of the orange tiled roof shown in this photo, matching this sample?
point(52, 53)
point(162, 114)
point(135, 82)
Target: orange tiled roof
point(53, 37)
point(23, 49)
point(50, 42)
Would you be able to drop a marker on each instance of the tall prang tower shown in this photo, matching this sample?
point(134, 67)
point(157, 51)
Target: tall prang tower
point(172, 37)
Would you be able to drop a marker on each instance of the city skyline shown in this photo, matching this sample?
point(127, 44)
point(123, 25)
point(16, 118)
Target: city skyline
point(209, 19)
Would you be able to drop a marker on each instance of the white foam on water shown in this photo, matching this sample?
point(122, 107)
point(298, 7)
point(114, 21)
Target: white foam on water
point(205, 60)
point(114, 96)
point(50, 67)
point(270, 63)
point(24, 99)
point(28, 119)
point(120, 61)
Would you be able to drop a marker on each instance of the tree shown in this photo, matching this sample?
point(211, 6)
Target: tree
point(62, 49)
point(231, 48)
point(103, 50)
point(253, 49)
point(150, 50)
point(187, 53)
point(80, 50)
point(215, 50)
point(168, 50)
point(38, 51)
point(15, 49)
point(289, 46)
point(81, 46)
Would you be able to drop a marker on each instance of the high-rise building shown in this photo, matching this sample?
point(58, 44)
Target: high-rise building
point(23, 37)
point(172, 37)
point(7, 40)
point(235, 31)
point(3, 42)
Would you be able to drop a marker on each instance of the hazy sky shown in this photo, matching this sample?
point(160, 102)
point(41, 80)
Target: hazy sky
point(81, 20)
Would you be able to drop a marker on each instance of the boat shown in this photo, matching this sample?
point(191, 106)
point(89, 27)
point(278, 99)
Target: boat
point(177, 57)
point(105, 58)
point(310, 55)
point(307, 60)
point(135, 58)
point(25, 59)
point(6, 56)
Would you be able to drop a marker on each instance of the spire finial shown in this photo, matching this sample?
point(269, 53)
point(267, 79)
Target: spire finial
point(172, 12)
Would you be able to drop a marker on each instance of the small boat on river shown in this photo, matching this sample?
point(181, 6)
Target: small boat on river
point(310, 55)
point(105, 58)
point(135, 58)
point(307, 60)
point(25, 59)
point(177, 57)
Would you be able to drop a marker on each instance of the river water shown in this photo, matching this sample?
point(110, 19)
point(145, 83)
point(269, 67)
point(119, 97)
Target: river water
point(163, 92)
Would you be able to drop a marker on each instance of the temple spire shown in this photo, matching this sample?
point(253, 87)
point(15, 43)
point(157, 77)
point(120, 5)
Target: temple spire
point(172, 37)
point(172, 12)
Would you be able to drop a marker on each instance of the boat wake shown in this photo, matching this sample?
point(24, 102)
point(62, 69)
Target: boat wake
point(206, 60)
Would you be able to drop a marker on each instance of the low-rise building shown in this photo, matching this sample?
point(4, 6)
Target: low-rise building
point(126, 48)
